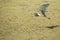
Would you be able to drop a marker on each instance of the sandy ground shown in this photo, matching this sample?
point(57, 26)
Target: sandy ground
point(17, 20)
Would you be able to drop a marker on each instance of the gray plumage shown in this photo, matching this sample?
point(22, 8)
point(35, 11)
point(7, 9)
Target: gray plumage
point(43, 8)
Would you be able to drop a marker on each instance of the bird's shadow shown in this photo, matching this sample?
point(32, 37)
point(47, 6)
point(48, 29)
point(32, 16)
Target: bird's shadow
point(53, 26)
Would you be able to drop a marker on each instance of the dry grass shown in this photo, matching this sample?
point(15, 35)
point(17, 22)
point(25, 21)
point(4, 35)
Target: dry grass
point(17, 20)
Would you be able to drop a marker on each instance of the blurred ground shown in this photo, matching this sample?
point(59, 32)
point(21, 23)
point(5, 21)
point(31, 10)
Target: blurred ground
point(17, 20)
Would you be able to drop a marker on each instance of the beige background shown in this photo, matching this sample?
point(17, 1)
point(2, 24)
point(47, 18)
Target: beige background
point(17, 20)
